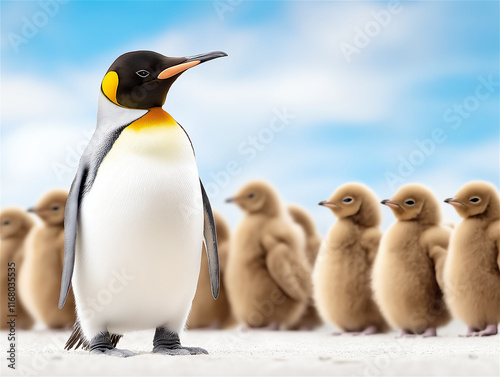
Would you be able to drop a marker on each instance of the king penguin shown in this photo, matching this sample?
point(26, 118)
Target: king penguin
point(137, 214)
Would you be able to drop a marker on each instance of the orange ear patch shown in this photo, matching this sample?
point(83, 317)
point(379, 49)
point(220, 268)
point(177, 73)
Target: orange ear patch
point(110, 86)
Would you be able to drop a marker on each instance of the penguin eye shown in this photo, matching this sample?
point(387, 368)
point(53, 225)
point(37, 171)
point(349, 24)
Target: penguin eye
point(410, 202)
point(142, 73)
point(474, 200)
point(6, 222)
point(347, 200)
point(251, 196)
point(55, 208)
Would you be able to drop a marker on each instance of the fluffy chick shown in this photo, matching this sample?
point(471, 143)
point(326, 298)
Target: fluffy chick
point(342, 273)
point(472, 271)
point(408, 271)
point(268, 277)
point(41, 276)
point(207, 312)
point(15, 225)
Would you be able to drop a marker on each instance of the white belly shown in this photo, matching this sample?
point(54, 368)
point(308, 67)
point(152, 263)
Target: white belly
point(140, 236)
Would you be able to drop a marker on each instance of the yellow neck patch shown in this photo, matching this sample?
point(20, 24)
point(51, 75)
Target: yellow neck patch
point(110, 86)
point(155, 117)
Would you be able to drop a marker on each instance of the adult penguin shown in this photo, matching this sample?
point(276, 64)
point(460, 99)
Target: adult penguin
point(137, 214)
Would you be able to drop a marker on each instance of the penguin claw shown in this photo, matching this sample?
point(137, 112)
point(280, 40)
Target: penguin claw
point(183, 351)
point(196, 350)
point(172, 352)
point(167, 342)
point(112, 352)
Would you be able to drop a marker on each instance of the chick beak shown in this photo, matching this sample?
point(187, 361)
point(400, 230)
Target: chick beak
point(390, 203)
point(233, 200)
point(453, 202)
point(32, 210)
point(326, 203)
point(190, 62)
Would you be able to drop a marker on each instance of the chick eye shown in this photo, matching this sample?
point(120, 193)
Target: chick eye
point(6, 222)
point(251, 195)
point(55, 208)
point(142, 73)
point(347, 200)
point(474, 200)
point(410, 202)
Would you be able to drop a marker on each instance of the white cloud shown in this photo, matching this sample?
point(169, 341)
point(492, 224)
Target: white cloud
point(295, 64)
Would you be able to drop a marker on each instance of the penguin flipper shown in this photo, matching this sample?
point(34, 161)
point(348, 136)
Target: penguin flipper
point(287, 271)
point(210, 241)
point(70, 226)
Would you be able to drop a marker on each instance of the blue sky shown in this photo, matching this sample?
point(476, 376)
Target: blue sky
point(356, 119)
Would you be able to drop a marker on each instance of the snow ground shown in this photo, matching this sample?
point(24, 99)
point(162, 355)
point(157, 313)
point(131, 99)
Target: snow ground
point(237, 352)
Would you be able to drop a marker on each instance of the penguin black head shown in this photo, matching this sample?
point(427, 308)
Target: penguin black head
point(141, 79)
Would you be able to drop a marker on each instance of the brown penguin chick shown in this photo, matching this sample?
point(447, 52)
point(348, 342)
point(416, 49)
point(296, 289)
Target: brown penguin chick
point(311, 318)
point(207, 312)
point(15, 225)
point(408, 270)
point(42, 270)
point(472, 271)
point(342, 274)
point(268, 277)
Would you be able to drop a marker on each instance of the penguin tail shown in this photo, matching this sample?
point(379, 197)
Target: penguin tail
point(77, 339)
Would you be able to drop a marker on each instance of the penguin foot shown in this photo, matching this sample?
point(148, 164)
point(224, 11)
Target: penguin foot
point(274, 326)
point(196, 350)
point(370, 330)
point(340, 333)
point(406, 334)
point(112, 352)
point(488, 331)
point(172, 352)
point(101, 345)
point(167, 342)
point(470, 332)
point(429, 332)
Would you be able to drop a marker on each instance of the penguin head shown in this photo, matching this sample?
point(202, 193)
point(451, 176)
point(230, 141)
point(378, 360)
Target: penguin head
point(14, 222)
point(476, 198)
point(355, 201)
point(257, 197)
point(50, 207)
point(414, 202)
point(141, 79)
